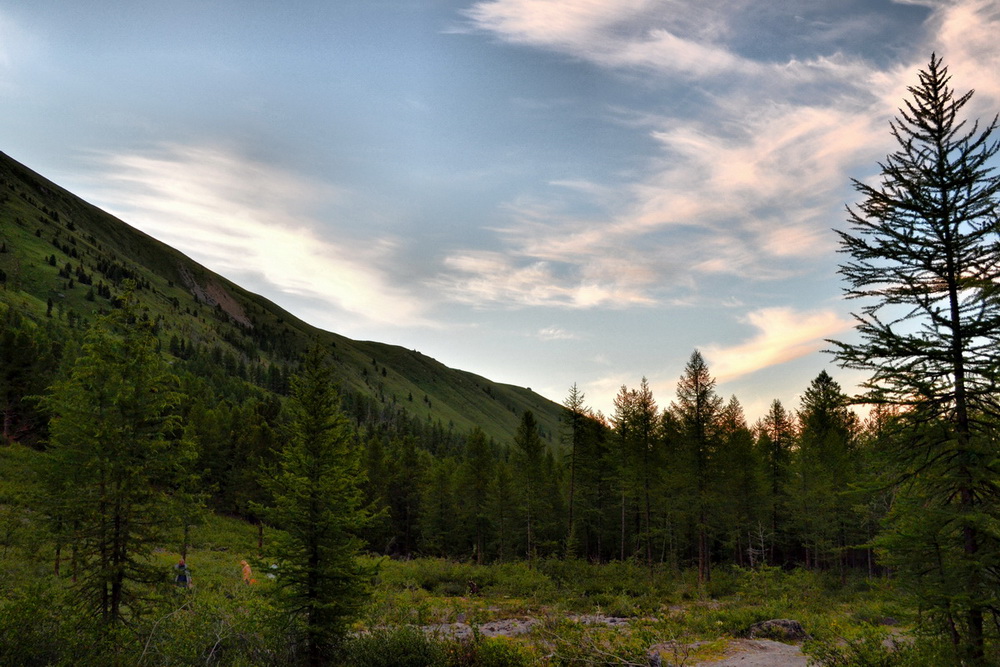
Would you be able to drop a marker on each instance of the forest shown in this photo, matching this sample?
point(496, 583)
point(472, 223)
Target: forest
point(128, 444)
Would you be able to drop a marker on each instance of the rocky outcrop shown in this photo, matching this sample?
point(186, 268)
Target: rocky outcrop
point(781, 629)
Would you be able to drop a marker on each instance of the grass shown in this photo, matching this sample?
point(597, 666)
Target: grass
point(221, 620)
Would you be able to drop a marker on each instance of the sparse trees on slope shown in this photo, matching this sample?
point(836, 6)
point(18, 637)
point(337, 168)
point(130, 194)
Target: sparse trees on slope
point(317, 509)
point(924, 255)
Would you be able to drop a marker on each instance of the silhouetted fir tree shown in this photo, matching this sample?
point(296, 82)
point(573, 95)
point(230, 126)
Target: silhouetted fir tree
point(623, 421)
point(776, 438)
point(438, 509)
point(738, 499)
point(924, 256)
point(697, 410)
point(502, 513)
point(825, 467)
point(405, 470)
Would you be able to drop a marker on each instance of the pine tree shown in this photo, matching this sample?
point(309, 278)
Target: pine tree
point(476, 473)
point(114, 456)
point(574, 414)
point(529, 455)
point(824, 469)
point(739, 479)
point(697, 410)
point(438, 510)
point(317, 510)
point(775, 440)
point(925, 257)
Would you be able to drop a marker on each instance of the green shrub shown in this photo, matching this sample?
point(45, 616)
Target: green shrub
point(501, 653)
point(401, 647)
point(870, 647)
point(32, 622)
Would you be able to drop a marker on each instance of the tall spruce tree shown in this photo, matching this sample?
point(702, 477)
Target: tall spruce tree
point(698, 410)
point(775, 440)
point(575, 420)
point(739, 481)
point(115, 455)
point(317, 510)
point(825, 466)
point(474, 481)
point(529, 456)
point(925, 258)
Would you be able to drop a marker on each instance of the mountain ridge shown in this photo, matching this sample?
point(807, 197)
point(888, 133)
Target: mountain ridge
point(66, 259)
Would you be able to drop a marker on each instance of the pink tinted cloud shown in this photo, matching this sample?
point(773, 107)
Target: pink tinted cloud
point(783, 334)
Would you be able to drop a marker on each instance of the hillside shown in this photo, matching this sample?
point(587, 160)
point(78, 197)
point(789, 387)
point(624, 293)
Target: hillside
point(65, 259)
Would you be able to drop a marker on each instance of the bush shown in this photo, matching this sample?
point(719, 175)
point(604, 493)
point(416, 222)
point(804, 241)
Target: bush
point(870, 647)
point(402, 647)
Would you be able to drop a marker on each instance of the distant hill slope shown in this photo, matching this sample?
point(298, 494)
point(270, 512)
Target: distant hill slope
point(66, 258)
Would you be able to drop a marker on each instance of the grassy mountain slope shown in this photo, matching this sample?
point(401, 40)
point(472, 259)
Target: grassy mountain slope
point(66, 259)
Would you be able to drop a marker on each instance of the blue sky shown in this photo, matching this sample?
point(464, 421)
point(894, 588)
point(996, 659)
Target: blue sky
point(543, 192)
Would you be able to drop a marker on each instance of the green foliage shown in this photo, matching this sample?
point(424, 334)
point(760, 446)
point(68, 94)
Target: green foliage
point(115, 456)
point(411, 647)
point(925, 258)
point(317, 508)
point(869, 646)
point(408, 646)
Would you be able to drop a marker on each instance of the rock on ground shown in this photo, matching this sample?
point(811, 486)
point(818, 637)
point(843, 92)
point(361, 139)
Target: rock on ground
point(760, 653)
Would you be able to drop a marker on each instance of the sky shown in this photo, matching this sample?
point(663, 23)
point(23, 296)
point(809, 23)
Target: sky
point(543, 192)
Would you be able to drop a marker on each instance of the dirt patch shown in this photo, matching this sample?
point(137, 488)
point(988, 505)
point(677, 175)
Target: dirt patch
point(214, 294)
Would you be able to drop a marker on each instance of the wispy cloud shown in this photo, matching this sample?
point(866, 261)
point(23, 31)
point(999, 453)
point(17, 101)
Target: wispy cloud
point(482, 278)
point(249, 220)
point(747, 185)
point(783, 334)
point(615, 34)
point(556, 333)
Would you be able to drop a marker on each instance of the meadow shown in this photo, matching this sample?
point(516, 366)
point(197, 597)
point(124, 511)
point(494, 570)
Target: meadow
point(430, 611)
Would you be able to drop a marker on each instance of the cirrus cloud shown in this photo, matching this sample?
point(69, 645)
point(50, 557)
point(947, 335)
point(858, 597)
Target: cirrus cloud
point(254, 223)
point(783, 334)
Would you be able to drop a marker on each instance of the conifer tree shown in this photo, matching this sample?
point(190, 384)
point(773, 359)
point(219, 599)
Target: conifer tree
point(474, 481)
point(575, 417)
point(697, 410)
point(438, 511)
point(318, 512)
point(739, 481)
point(529, 455)
point(115, 454)
point(924, 256)
point(824, 469)
point(775, 440)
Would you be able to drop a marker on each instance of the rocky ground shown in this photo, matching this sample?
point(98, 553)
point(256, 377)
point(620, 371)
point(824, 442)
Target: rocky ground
point(739, 652)
point(759, 653)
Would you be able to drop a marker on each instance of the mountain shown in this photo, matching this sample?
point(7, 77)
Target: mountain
point(65, 260)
